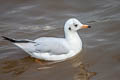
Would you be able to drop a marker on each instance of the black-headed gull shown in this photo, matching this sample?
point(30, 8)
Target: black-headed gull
point(51, 48)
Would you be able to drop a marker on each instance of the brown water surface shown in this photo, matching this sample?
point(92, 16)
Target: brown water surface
point(100, 57)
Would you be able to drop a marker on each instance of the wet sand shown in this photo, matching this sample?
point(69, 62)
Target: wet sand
point(100, 57)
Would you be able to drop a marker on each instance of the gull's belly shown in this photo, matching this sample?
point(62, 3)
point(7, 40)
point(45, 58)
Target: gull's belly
point(48, 56)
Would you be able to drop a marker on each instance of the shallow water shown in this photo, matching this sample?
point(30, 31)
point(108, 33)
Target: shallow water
point(100, 58)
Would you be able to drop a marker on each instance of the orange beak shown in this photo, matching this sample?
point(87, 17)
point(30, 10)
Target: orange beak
point(86, 26)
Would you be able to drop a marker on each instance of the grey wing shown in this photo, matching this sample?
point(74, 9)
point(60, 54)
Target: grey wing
point(52, 45)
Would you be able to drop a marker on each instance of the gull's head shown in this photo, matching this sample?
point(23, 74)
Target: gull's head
point(73, 25)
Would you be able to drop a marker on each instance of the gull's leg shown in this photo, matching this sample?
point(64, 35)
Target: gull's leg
point(39, 61)
point(43, 64)
point(46, 64)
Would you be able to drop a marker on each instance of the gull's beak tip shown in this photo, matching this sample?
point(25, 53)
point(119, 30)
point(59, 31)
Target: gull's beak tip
point(89, 26)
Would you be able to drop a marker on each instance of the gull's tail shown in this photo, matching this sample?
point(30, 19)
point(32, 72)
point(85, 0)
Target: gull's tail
point(25, 44)
point(17, 40)
point(9, 39)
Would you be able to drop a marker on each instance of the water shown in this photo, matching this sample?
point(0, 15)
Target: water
point(100, 58)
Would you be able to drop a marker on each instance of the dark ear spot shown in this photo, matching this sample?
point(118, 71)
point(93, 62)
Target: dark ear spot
point(69, 28)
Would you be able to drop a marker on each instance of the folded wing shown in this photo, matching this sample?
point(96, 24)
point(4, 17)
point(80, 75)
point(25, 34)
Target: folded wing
point(54, 46)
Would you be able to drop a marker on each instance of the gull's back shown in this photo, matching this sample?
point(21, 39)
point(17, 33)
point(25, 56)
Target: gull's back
point(54, 46)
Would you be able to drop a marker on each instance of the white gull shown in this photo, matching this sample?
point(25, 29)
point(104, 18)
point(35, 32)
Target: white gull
point(51, 48)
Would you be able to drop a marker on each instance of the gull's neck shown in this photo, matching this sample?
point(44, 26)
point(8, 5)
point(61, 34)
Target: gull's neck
point(74, 40)
point(72, 36)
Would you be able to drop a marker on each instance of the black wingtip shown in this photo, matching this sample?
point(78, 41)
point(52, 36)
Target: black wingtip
point(4, 37)
point(9, 39)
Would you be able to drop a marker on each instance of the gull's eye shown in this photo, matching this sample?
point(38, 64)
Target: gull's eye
point(75, 25)
point(69, 28)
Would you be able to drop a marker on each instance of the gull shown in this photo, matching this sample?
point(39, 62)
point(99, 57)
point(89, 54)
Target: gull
point(52, 48)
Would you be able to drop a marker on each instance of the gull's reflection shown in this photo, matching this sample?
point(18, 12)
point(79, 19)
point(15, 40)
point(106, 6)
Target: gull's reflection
point(16, 67)
point(82, 72)
point(20, 66)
